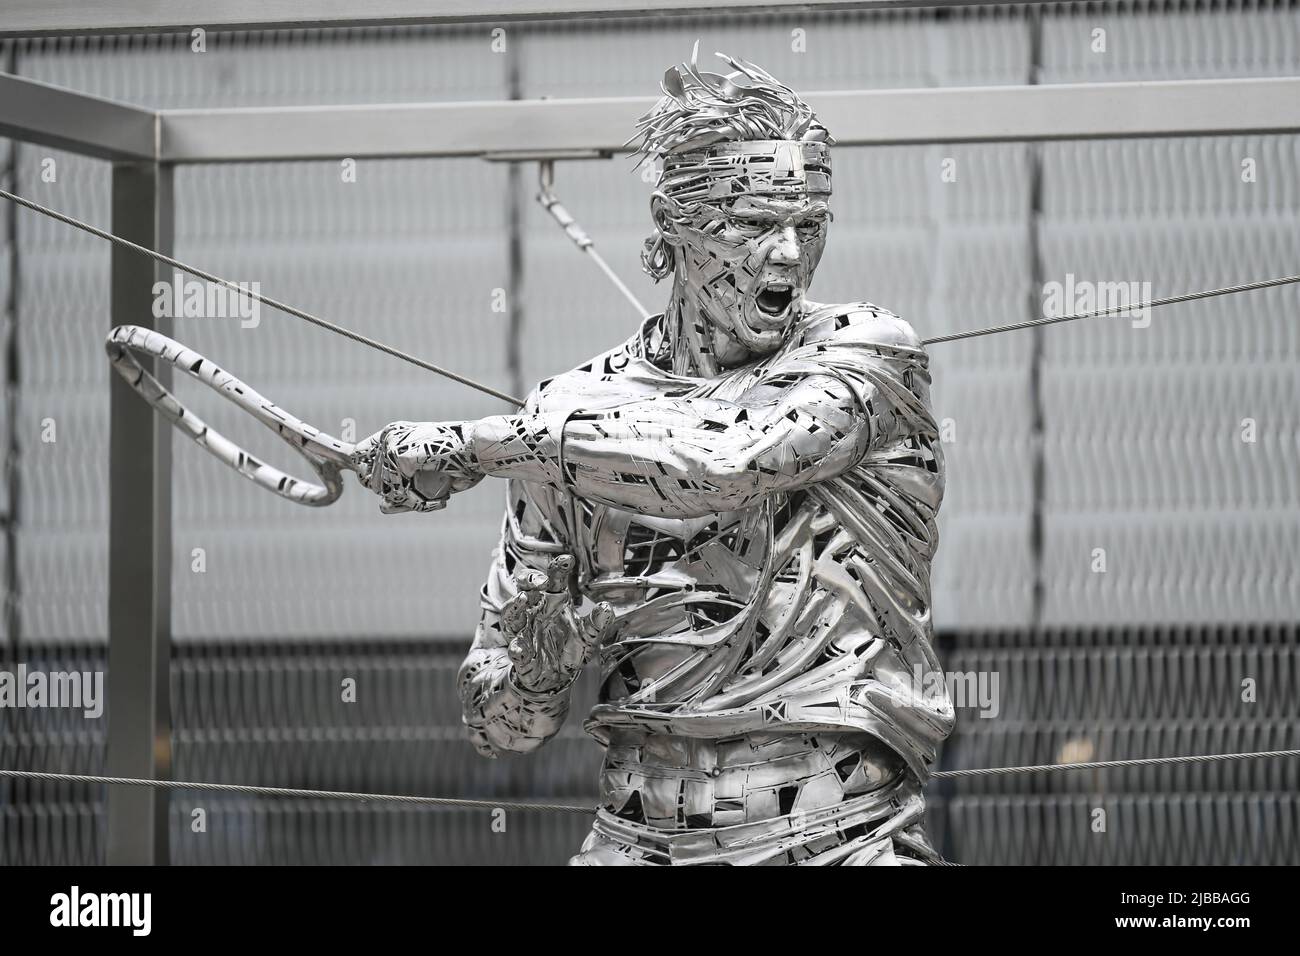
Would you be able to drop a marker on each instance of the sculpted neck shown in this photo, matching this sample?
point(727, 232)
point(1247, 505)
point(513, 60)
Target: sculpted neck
point(696, 346)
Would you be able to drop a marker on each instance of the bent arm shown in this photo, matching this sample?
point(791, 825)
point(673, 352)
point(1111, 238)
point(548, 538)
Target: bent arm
point(501, 716)
point(809, 418)
point(682, 457)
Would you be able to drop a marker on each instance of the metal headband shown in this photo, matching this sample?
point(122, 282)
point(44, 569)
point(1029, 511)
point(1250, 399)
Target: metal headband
point(766, 167)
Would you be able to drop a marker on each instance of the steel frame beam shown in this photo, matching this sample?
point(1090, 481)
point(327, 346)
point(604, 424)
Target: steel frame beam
point(525, 129)
point(569, 128)
point(140, 539)
point(56, 17)
point(47, 115)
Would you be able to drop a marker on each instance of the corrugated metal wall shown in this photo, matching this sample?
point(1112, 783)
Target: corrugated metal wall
point(1141, 447)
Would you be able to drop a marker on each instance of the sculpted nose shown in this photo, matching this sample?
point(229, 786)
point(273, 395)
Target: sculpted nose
point(785, 250)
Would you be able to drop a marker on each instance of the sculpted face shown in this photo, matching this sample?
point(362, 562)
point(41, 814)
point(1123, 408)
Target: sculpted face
point(747, 222)
point(748, 265)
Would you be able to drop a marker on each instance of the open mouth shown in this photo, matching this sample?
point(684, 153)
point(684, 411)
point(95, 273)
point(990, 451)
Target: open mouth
point(775, 299)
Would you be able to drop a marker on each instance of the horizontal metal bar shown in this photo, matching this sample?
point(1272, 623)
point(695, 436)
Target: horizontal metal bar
point(46, 115)
point(54, 17)
point(538, 128)
point(1063, 111)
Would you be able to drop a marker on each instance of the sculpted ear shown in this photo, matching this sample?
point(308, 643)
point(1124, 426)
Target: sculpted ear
point(665, 211)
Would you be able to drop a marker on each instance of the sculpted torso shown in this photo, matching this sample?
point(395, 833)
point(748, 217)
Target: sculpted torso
point(759, 657)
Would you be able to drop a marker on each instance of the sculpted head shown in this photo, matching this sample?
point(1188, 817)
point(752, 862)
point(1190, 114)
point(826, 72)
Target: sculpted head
point(742, 205)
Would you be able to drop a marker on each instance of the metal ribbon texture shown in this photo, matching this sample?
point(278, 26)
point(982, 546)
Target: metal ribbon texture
point(766, 168)
point(747, 489)
point(764, 539)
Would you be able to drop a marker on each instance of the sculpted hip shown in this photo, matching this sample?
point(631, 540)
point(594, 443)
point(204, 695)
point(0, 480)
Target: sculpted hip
point(674, 782)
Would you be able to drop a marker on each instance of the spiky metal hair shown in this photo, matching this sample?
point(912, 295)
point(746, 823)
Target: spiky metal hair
point(700, 108)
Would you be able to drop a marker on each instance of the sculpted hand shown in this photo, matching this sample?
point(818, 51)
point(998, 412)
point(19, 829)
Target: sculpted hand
point(549, 642)
point(417, 466)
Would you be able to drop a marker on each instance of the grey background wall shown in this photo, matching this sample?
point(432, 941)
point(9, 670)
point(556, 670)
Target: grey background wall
point(1141, 444)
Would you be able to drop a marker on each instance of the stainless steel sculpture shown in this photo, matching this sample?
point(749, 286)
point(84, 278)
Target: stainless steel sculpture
point(745, 493)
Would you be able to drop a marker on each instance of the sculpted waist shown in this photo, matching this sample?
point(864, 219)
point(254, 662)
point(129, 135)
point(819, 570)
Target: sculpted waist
point(676, 782)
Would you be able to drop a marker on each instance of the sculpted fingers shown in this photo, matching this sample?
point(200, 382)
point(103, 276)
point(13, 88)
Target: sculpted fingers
point(585, 635)
point(431, 485)
point(400, 501)
point(595, 628)
point(520, 652)
point(417, 466)
point(363, 456)
point(558, 598)
point(558, 572)
point(379, 471)
point(599, 623)
point(368, 459)
point(514, 616)
point(530, 585)
point(517, 625)
point(548, 641)
point(526, 579)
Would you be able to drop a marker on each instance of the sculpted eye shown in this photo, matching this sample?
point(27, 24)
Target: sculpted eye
point(811, 227)
point(747, 228)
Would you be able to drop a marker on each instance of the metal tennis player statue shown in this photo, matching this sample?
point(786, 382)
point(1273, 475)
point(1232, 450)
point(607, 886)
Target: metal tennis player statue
point(731, 514)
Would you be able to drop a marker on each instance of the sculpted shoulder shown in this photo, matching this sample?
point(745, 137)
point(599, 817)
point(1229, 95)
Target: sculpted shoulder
point(857, 323)
point(610, 378)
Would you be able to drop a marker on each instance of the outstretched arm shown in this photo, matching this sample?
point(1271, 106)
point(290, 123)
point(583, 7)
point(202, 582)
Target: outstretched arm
point(809, 417)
